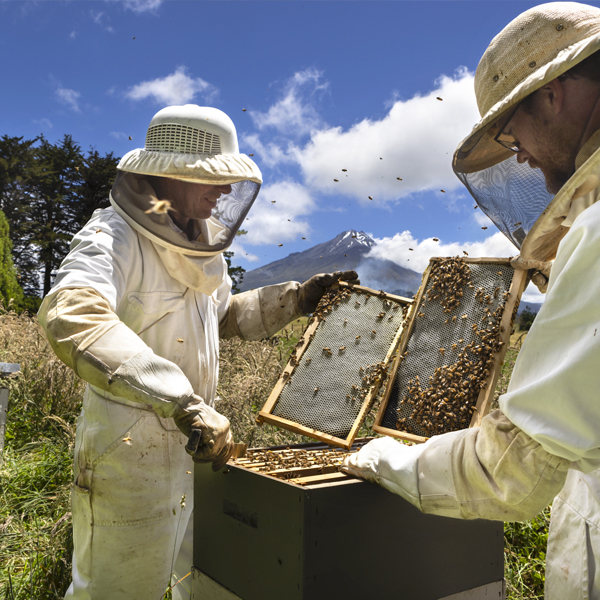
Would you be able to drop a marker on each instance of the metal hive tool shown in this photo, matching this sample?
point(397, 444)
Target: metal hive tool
point(450, 357)
point(336, 370)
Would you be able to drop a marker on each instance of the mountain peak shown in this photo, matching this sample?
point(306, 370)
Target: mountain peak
point(347, 251)
point(350, 238)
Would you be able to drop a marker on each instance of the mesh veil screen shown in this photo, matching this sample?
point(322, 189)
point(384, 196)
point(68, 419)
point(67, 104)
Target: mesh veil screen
point(512, 195)
point(232, 208)
point(328, 387)
point(444, 364)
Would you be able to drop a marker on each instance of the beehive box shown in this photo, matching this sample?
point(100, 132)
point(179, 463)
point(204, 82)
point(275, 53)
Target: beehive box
point(304, 464)
point(450, 356)
point(339, 364)
point(264, 535)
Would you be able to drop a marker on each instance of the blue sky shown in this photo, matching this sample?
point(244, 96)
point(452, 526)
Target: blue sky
point(326, 86)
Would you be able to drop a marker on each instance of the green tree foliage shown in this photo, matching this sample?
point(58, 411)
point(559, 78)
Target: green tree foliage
point(236, 273)
point(48, 192)
point(11, 293)
point(526, 319)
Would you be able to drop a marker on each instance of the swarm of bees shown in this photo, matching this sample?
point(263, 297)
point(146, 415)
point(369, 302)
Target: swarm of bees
point(447, 401)
point(447, 279)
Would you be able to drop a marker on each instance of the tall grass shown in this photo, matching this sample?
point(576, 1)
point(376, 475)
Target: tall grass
point(36, 466)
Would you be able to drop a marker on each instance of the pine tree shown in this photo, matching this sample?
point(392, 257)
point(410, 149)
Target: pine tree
point(10, 290)
point(48, 192)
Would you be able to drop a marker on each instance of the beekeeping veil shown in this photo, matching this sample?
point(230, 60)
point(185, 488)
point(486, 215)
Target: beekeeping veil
point(195, 144)
point(538, 46)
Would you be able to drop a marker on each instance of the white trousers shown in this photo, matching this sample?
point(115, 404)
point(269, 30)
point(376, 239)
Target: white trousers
point(131, 502)
point(573, 557)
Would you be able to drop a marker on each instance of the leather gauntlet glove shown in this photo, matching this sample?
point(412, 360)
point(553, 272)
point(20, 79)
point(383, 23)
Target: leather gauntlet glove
point(210, 440)
point(311, 291)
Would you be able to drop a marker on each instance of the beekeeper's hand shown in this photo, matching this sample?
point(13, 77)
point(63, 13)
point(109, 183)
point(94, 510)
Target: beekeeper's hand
point(541, 271)
point(210, 440)
point(366, 462)
point(311, 291)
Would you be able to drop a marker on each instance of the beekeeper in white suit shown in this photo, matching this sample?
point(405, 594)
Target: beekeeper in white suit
point(533, 165)
point(136, 310)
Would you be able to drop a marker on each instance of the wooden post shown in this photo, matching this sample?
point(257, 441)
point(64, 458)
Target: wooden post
point(6, 369)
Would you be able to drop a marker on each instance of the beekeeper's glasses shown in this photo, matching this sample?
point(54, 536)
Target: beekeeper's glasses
point(507, 139)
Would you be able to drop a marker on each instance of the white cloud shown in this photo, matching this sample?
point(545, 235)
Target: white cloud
point(396, 249)
point(97, 17)
point(119, 135)
point(73, 34)
point(295, 112)
point(68, 97)
point(532, 294)
point(482, 219)
point(177, 88)
point(44, 123)
point(141, 6)
point(414, 141)
point(240, 252)
point(276, 217)
point(271, 154)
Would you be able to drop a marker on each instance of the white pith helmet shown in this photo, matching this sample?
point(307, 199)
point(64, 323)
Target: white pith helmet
point(538, 46)
point(192, 143)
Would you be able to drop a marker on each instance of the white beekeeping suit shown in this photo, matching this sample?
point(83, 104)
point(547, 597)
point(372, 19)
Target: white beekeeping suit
point(136, 310)
point(544, 442)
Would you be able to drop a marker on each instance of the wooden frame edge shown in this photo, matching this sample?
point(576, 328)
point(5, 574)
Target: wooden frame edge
point(484, 401)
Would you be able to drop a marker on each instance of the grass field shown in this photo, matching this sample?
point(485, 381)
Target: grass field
point(36, 471)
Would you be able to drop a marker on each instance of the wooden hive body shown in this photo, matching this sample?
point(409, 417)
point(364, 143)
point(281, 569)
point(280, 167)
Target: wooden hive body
point(264, 538)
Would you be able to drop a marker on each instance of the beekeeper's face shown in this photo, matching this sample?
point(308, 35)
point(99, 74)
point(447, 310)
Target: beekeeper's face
point(188, 199)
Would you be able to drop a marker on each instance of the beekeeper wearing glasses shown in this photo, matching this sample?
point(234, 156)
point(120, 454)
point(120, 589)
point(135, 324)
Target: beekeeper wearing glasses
point(533, 165)
point(136, 310)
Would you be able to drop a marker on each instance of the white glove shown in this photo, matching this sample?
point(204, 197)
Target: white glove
point(391, 464)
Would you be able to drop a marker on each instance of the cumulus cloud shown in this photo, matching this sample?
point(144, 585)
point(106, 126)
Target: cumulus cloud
point(176, 88)
point(415, 141)
point(271, 153)
point(532, 294)
point(277, 215)
point(68, 97)
point(397, 249)
point(141, 6)
point(295, 112)
point(240, 252)
point(44, 123)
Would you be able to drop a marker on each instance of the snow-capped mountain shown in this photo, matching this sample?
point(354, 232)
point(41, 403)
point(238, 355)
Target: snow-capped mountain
point(346, 251)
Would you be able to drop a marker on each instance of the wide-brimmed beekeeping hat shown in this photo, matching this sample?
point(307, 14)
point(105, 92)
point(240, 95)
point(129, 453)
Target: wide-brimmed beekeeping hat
point(197, 144)
point(535, 48)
